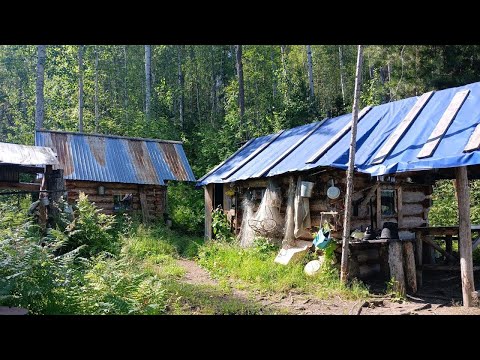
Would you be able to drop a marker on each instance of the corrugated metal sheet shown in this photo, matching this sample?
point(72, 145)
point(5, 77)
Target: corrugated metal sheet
point(117, 159)
point(372, 133)
point(26, 155)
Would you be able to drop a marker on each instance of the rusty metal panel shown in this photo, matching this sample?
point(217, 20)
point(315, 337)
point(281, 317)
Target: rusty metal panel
point(109, 158)
point(26, 155)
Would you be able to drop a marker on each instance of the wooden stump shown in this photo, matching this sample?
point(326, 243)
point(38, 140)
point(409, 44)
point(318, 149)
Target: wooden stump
point(410, 270)
point(395, 261)
point(419, 254)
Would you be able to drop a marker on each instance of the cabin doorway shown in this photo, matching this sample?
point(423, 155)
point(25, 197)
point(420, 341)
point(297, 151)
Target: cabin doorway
point(218, 196)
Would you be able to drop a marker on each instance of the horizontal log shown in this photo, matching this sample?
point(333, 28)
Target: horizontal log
point(412, 209)
point(445, 267)
point(20, 186)
point(410, 222)
point(413, 196)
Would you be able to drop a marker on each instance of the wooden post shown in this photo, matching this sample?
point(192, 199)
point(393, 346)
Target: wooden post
point(143, 204)
point(351, 164)
point(208, 189)
point(399, 206)
point(395, 261)
point(410, 270)
point(448, 244)
point(465, 235)
point(56, 184)
point(419, 256)
point(378, 208)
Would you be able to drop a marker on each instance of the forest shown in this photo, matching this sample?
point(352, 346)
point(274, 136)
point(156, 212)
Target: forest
point(213, 98)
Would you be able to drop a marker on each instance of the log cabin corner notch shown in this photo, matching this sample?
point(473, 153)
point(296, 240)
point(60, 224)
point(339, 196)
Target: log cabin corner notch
point(118, 173)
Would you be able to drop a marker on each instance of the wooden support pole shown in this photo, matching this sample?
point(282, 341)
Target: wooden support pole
point(143, 205)
point(410, 270)
point(448, 244)
point(351, 165)
point(379, 207)
point(54, 182)
point(419, 257)
point(208, 190)
point(395, 261)
point(465, 235)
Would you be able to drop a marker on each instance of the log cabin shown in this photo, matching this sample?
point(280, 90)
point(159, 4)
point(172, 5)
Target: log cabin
point(118, 173)
point(403, 147)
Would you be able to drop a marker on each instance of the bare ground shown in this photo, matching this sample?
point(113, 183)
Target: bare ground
point(301, 304)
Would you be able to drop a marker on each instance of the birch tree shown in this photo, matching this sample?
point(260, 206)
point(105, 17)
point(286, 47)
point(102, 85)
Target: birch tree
point(80, 88)
point(148, 79)
point(39, 91)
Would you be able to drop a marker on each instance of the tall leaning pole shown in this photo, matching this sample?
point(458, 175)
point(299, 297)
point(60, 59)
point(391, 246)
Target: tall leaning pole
point(351, 162)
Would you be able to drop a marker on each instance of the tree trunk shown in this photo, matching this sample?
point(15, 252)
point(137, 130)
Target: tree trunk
point(241, 94)
point(80, 88)
point(283, 50)
point(96, 90)
point(351, 162)
point(180, 87)
point(125, 87)
point(310, 72)
point(342, 81)
point(395, 262)
point(274, 83)
point(465, 235)
point(148, 80)
point(39, 93)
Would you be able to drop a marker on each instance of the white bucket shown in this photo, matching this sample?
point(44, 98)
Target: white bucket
point(306, 189)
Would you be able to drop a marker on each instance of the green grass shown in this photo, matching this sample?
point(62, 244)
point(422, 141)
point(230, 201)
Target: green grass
point(254, 268)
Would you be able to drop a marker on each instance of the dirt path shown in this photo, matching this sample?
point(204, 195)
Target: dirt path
point(300, 304)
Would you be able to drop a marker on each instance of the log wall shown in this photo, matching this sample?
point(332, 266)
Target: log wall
point(413, 200)
point(155, 196)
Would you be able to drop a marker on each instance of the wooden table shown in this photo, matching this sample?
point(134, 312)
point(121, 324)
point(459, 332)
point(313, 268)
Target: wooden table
point(445, 233)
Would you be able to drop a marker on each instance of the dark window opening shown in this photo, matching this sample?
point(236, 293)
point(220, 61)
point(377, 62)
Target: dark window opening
point(218, 195)
point(389, 207)
point(122, 202)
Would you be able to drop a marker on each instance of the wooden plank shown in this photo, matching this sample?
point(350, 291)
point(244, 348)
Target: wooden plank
point(443, 125)
point(252, 155)
point(402, 128)
point(476, 243)
point(430, 242)
point(289, 150)
point(465, 235)
point(474, 141)
point(419, 257)
point(208, 190)
point(337, 137)
point(20, 186)
point(410, 270)
point(224, 161)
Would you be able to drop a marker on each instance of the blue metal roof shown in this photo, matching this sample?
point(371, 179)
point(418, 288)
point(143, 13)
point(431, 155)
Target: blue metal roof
point(109, 158)
point(373, 132)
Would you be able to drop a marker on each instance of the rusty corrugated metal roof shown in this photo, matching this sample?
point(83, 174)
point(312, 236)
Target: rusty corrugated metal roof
point(110, 158)
point(26, 155)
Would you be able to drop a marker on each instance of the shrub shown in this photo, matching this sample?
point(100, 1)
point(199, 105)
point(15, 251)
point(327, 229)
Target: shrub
point(186, 207)
point(119, 287)
point(90, 230)
point(221, 226)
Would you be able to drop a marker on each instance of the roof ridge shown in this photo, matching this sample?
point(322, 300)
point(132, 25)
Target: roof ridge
point(110, 136)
